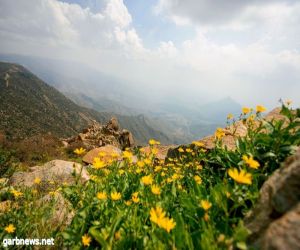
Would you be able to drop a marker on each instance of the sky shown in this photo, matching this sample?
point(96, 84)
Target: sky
point(195, 49)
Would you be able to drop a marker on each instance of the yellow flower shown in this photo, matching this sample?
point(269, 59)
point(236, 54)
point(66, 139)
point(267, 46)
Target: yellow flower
point(135, 197)
point(128, 203)
point(198, 179)
point(101, 196)
point(10, 228)
point(251, 162)
point(205, 204)
point(155, 190)
point(206, 217)
point(127, 155)
point(37, 181)
point(79, 151)
point(97, 164)
point(229, 116)
point(147, 161)
point(16, 193)
point(117, 235)
point(115, 196)
point(227, 194)
point(241, 177)
point(199, 167)
point(147, 180)
point(219, 133)
point(157, 168)
point(121, 171)
point(245, 110)
point(102, 154)
point(188, 150)
point(140, 164)
point(153, 142)
point(167, 224)
point(198, 143)
point(86, 240)
point(154, 151)
point(157, 214)
point(260, 109)
point(181, 150)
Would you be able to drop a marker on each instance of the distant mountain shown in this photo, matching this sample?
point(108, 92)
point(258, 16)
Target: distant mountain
point(29, 106)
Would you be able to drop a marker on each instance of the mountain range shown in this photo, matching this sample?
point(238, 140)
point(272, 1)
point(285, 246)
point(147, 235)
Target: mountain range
point(178, 120)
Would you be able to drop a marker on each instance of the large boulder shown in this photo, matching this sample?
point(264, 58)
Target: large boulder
point(162, 151)
point(108, 150)
point(58, 171)
point(277, 206)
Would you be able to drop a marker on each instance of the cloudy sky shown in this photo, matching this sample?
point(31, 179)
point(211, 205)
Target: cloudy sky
point(209, 49)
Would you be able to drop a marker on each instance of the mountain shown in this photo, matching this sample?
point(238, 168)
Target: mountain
point(29, 106)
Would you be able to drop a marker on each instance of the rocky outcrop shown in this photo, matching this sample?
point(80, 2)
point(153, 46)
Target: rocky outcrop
point(275, 221)
point(57, 171)
point(108, 151)
point(97, 136)
point(161, 151)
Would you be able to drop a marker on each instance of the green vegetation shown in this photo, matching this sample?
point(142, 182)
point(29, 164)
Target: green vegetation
point(195, 201)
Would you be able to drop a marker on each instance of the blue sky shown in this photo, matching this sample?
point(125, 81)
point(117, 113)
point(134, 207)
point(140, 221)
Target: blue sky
point(195, 49)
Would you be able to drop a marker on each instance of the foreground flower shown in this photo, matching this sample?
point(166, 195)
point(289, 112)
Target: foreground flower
point(16, 193)
point(86, 240)
point(205, 204)
point(245, 110)
point(198, 143)
point(79, 151)
point(251, 162)
point(155, 190)
point(101, 196)
point(10, 228)
point(115, 196)
point(168, 224)
point(98, 164)
point(37, 181)
point(153, 142)
point(147, 180)
point(241, 177)
point(198, 179)
point(219, 133)
point(135, 197)
point(260, 109)
point(157, 215)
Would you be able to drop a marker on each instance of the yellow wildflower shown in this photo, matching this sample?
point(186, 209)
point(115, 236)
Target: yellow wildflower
point(147, 161)
point(154, 151)
point(205, 204)
point(140, 164)
point(260, 109)
point(157, 214)
point(102, 154)
point(206, 217)
point(86, 240)
point(135, 197)
point(101, 196)
point(16, 193)
point(37, 181)
point(97, 164)
point(117, 235)
point(10, 228)
point(198, 179)
point(153, 142)
point(245, 110)
point(79, 151)
point(128, 203)
point(115, 196)
point(181, 150)
point(147, 180)
point(251, 162)
point(241, 177)
point(167, 224)
point(219, 133)
point(229, 116)
point(157, 168)
point(198, 143)
point(155, 190)
point(188, 150)
point(127, 155)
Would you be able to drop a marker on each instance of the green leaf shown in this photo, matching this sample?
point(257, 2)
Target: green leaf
point(96, 234)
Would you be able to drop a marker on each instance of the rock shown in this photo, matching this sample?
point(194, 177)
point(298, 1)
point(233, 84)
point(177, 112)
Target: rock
point(279, 195)
point(126, 139)
point(284, 233)
point(108, 150)
point(5, 206)
point(162, 151)
point(97, 135)
point(62, 212)
point(57, 170)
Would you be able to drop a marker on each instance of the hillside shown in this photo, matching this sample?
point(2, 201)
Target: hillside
point(29, 106)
